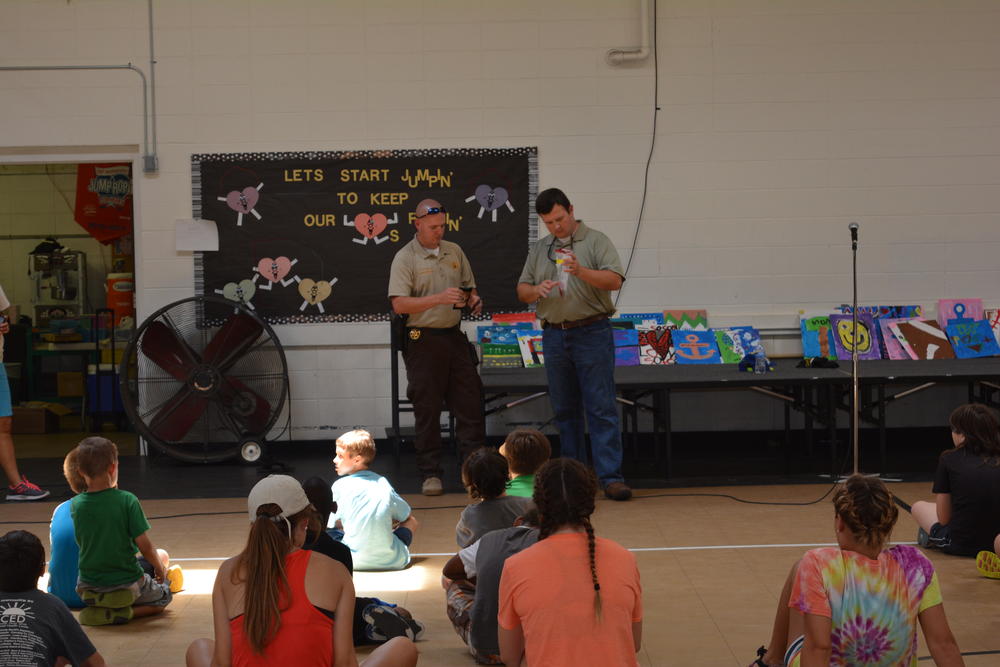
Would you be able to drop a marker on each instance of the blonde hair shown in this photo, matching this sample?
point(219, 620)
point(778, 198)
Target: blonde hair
point(71, 471)
point(358, 443)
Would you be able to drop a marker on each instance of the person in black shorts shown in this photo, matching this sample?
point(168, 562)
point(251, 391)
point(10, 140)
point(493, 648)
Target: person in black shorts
point(964, 519)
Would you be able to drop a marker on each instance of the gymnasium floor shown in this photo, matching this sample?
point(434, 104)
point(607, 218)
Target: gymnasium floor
point(711, 568)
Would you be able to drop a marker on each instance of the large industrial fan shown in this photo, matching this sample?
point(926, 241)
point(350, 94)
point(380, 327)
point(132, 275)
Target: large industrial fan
point(204, 380)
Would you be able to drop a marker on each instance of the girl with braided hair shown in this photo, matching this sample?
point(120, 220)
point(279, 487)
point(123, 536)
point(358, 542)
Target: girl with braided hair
point(964, 519)
point(859, 603)
point(572, 598)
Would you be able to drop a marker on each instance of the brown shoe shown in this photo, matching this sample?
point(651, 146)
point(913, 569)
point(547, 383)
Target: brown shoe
point(618, 491)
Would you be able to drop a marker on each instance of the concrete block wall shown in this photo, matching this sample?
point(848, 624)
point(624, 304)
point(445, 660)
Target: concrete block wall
point(780, 122)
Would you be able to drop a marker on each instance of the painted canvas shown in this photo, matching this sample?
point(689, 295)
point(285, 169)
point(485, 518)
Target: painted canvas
point(972, 339)
point(892, 348)
point(499, 355)
point(885, 311)
point(686, 320)
point(642, 318)
point(992, 316)
point(655, 348)
point(736, 342)
point(817, 337)
point(503, 335)
point(845, 338)
point(626, 347)
point(618, 323)
point(695, 347)
point(959, 309)
point(923, 339)
point(530, 343)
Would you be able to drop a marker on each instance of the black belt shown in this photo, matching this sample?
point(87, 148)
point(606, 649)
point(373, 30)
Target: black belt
point(573, 324)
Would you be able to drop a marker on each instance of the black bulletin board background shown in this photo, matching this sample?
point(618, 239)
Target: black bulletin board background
point(302, 215)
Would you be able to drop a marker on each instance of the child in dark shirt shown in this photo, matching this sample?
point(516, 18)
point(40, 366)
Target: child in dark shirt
point(964, 519)
point(38, 629)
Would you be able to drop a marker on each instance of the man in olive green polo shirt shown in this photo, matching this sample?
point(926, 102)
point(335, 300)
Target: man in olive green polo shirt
point(431, 281)
point(570, 274)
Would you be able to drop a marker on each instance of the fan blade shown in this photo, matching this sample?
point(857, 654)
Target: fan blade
point(161, 345)
point(233, 391)
point(178, 415)
point(233, 338)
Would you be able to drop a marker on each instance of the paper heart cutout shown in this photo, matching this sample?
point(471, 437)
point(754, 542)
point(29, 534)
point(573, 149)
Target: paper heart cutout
point(314, 292)
point(370, 226)
point(491, 198)
point(242, 202)
point(241, 292)
point(658, 339)
point(274, 269)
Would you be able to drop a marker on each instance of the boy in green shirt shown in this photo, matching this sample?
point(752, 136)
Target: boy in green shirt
point(110, 527)
point(525, 449)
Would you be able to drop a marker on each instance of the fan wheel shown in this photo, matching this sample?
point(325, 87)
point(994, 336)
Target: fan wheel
point(204, 379)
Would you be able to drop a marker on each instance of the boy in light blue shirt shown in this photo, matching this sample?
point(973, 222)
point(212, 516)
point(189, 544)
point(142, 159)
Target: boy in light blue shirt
point(371, 518)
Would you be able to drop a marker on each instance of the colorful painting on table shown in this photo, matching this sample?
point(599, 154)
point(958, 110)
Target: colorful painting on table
point(686, 320)
point(736, 342)
point(655, 348)
point(695, 347)
point(501, 334)
point(649, 319)
point(817, 337)
point(972, 339)
point(992, 316)
point(846, 339)
point(892, 348)
point(959, 309)
point(626, 347)
point(923, 339)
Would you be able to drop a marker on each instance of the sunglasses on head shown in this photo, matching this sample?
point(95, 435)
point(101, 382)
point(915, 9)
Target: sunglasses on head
point(432, 210)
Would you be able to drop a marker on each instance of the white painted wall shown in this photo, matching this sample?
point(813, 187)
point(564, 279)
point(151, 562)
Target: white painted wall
point(781, 121)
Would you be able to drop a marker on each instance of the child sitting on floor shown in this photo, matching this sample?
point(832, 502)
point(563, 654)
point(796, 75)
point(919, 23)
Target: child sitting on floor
point(110, 527)
point(485, 474)
point(37, 628)
point(525, 449)
point(859, 603)
point(64, 564)
point(964, 519)
point(370, 517)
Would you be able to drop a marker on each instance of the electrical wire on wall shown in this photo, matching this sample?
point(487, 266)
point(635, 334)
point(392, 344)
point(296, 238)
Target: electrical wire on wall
point(649, 157)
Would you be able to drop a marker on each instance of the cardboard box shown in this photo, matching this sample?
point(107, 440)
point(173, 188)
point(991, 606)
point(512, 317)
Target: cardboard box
point(69, 384)
point(34, 420)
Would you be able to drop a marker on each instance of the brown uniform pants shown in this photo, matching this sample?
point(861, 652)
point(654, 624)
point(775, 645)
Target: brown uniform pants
point(440, 371)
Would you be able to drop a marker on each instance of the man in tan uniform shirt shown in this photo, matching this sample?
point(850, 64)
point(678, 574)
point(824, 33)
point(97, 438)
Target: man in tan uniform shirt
point(430, 281)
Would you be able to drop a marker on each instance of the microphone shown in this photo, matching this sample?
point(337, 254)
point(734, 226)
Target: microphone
point(854, 234)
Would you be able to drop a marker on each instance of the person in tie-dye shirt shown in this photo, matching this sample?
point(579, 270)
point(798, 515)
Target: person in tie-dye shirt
point(859, 603)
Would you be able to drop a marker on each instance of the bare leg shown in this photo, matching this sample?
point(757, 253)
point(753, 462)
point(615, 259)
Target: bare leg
point(7, 460)
point(397, 652)
point(996, 545)
point(783, 623)
point(199, 653)
point(138, 611)
point(925, 514)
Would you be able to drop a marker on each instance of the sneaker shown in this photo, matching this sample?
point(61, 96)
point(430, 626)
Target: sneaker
point(116, 599)
point(415, 625)
point(105, 616)
point(383, 623)
point(923, 539)
point(432, 487)
point(988, 564)
point(26, 491)
point(175, 577)
point(618, 491)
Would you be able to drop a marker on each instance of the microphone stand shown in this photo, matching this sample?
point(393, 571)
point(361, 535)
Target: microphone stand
point(855, 416)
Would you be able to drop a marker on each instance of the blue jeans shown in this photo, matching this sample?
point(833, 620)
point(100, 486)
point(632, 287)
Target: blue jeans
point(580, 365)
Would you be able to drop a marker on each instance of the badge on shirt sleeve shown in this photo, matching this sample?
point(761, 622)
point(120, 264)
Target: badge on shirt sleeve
point(414, 334)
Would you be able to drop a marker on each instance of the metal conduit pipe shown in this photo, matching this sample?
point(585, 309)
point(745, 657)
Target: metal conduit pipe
point(148, 158)
point(641, 52)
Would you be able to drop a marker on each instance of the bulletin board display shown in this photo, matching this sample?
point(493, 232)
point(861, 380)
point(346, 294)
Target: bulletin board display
point(309, 237)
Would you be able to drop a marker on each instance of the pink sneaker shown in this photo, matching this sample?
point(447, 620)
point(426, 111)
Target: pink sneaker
point(26, 491)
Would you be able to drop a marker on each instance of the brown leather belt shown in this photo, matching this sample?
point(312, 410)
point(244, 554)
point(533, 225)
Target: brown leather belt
point(573, 324)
